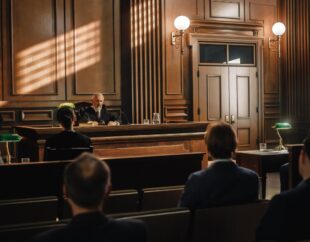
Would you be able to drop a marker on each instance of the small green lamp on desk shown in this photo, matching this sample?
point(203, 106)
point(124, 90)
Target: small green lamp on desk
point(5, 139)
point(277, 127)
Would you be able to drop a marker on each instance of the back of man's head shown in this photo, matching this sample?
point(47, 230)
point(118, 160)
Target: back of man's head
point(221, 141)
point(65, 117)
point(87, 180)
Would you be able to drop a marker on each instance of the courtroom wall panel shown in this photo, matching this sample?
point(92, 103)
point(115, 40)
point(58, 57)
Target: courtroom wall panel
point(296, 65)
point(64, 50)
point(265, 12)
point(93, 48)
point(232, 10)
point(32, 63)
point(56, 51)
point(146, 51)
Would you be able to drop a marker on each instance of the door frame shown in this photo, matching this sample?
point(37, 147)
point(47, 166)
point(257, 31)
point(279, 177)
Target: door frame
point(196, 38)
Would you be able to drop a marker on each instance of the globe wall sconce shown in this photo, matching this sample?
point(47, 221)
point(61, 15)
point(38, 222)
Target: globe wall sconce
point(278, 29)
point(181, 23)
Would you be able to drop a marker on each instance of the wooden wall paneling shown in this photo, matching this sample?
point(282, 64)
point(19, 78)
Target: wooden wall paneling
point(265, 12)
point(93, 49)
point(223, 10)
point(271, 116)
point(8, 116)
point(37, 115)
point(146, 52)
point(296, 62)
point(32, 50)
point(177, 73)
point(176, 111)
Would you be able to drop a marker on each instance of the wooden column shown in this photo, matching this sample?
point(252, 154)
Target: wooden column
point(296, 65)
point(146, 66)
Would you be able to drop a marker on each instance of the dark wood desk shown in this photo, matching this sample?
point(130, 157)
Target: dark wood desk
point(262, 162)
point(123, 140)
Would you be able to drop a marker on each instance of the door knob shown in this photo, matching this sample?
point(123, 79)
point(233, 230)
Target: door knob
point(227, 119)
point(232, 119)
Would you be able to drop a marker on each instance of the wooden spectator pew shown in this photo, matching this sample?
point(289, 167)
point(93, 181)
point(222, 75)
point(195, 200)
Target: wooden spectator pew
point(171, 225)
point(26, 180)
point(235, 223)
point(28, 210)
point(229, 223)
point(24, 232)
point(122, 201)
point(162, 226)
point(161, 197)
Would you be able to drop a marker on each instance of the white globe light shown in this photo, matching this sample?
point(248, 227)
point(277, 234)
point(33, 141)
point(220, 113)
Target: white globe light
point(181, 23)
point(278, 29)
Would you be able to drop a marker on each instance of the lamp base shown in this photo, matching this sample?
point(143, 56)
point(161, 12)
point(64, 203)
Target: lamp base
point(280, 147)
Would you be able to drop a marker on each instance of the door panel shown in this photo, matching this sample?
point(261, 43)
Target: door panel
point(243, 103)
point(213, 93)
point(230, 94)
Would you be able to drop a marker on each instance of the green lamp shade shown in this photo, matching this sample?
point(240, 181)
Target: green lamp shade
point(10, 138)
point(67, 105)
point(282, 126)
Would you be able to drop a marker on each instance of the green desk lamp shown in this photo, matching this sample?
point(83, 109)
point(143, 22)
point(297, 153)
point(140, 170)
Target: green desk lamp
point(277, 127)
point(6, 139)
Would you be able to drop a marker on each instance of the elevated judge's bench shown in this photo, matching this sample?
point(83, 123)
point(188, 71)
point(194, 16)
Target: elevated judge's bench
point(123, 140)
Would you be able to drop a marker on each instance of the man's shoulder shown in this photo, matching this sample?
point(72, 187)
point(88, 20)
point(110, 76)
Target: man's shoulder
point(247, 171)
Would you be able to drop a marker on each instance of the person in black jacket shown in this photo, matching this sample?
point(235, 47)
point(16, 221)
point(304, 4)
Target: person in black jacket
point(288, 212)
point(98, 112)
point(86, 185)
point(68, 138)
point(223, 182)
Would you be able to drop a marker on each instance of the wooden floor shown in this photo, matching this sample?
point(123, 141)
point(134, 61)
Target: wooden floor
point(273, 184)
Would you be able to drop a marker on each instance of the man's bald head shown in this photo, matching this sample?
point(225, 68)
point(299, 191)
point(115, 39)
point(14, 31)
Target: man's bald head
point(87, 181)
point(97, 100)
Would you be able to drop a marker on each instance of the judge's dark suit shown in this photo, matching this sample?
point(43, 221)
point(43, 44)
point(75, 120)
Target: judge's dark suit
point(95, 227)
point(222, 183)
point(67, 139)
point(287, 217)
point(91, 115)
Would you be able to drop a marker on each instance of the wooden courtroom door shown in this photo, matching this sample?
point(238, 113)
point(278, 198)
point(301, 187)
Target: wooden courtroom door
point(230, 94)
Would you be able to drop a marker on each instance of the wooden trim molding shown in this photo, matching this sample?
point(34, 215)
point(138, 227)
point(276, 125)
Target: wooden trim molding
point(8, 116)
point(146, 52)
point(37, 115)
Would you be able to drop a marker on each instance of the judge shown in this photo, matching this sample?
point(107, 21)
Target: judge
point(98, 112)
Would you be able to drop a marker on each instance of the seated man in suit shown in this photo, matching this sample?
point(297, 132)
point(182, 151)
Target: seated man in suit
point(288, 212)
point(86, 185)
point(68, 138)
point(98, 112)
point(223, 182)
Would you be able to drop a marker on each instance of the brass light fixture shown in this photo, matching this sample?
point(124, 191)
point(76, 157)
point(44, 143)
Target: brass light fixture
point(278, 29)
point(181, 23)
point(277, 127)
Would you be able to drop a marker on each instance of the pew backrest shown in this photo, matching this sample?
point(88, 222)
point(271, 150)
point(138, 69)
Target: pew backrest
point(161, 197)
point(171, 225)
point(235, 223)
point(28, 210)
